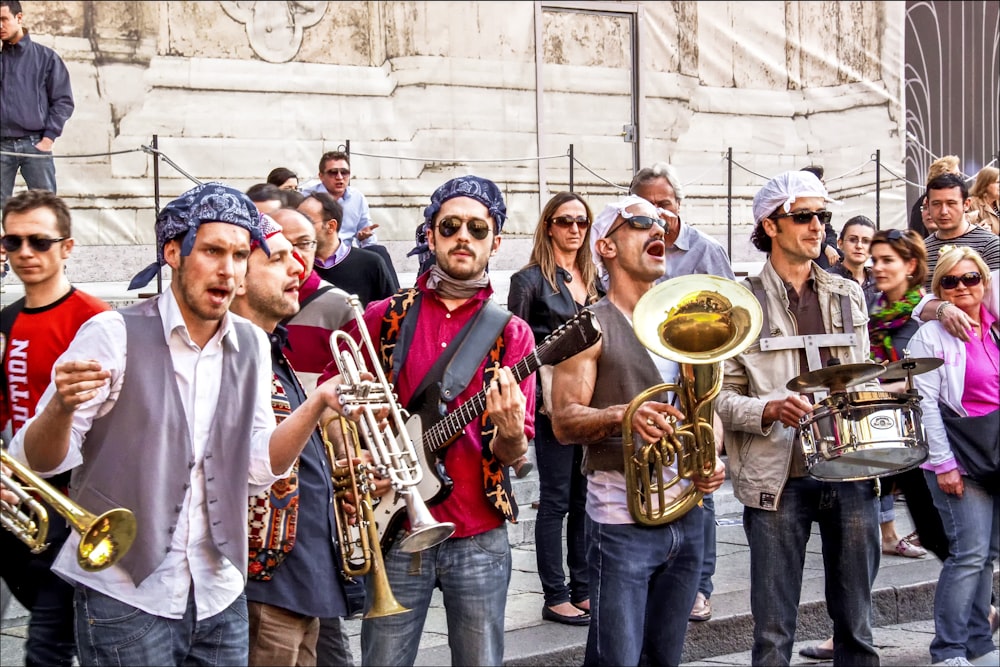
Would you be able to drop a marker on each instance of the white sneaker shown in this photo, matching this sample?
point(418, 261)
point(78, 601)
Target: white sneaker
point(954, 662)
point(992, 658)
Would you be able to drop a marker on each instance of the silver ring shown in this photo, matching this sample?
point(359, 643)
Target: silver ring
point(650, 422)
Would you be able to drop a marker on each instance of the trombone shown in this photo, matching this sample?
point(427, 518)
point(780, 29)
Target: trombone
point(360, 552)
point(103, 539)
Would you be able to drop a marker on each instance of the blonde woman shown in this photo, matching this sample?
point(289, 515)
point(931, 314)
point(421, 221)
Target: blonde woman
point(984, 208)
point(968, 384)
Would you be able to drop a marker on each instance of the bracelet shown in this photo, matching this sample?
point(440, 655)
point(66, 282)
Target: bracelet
point(940, 309)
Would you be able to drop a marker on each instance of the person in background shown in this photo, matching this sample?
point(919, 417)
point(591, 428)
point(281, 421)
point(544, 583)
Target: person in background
point(38, 236)
point(920, 219)
point(284, 178)
point(829, 255)
point(984, 208)
point(854, 241)
point(688, 251)
point(557, 282)
point(266, 197)
point(948, 201)
point(356, 227)
point(36, 100)
point(966, 386)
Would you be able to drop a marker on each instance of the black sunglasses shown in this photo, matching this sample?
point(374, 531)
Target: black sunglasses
point(568, 221)
point(970, 279)
point(478, 228)
point(805, 217)
point(337, 172)
point(13, 242)
point(638, 222)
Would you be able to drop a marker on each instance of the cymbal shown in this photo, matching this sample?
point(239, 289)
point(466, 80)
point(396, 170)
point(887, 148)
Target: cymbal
point(898, 370)
point(835, 378)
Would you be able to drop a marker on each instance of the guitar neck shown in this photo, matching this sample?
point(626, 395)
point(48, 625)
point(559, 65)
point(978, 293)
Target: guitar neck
point(442, 433)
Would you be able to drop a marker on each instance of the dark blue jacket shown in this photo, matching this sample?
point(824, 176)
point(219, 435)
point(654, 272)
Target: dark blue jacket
point(35, 92)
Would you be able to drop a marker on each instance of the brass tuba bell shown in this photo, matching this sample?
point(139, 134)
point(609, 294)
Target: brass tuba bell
point(698, 321)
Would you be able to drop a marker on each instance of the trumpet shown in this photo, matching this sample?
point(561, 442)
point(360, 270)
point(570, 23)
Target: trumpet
point(103, 539)
point(697, 321)
point(360, 552)
point(393, 454)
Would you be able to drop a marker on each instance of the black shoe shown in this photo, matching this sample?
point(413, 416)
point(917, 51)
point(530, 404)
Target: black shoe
point(817, 652)
point(556, 617)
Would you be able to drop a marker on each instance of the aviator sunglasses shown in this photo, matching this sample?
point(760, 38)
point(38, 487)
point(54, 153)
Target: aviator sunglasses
point(478, 228)
point(13, 242)
point(805, 217)
point(970, 279)
point(637, 222)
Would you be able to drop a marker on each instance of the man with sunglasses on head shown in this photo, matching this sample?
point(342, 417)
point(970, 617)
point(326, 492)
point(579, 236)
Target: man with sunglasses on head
point(811, 316)
point(37, 329)
point(643, 579)
point(410, 332)
point(688, 251)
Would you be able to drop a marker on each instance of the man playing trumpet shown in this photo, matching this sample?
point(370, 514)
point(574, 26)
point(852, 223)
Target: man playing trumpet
point(643, 579)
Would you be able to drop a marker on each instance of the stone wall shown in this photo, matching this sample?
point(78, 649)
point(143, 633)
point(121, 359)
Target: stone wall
point(424, 91)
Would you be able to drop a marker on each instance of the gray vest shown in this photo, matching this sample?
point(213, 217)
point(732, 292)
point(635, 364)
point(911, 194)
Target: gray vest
point(623, 372)
point(139, 455)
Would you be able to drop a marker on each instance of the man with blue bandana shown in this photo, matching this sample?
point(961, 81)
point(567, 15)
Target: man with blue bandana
point(164, 408)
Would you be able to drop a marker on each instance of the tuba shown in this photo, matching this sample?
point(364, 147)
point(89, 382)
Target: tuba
point(103, 539)
point(360, 552)
point(698, 321)
point(392, 450)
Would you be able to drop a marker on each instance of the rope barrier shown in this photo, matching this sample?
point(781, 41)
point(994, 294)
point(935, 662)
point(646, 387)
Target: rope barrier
point(71, 155)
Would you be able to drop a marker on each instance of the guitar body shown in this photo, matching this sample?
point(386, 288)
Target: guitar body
point(571, 338)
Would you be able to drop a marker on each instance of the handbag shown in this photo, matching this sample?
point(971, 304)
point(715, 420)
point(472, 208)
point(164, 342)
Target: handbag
point(975, 442)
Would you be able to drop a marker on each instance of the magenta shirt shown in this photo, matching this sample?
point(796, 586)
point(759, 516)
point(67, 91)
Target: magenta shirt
point(982, 370)
point(467, 506)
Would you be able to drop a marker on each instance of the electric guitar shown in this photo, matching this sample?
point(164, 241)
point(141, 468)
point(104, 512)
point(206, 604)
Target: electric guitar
point(571, 338)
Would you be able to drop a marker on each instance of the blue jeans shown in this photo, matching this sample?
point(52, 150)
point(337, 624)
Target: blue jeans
point(705, 586)
point(562, 491)
point(642, 577)
point(110, 632)
point(473, 574)
point(962, 597)
point(847, 514)
point(333, 646)
point(39, 173)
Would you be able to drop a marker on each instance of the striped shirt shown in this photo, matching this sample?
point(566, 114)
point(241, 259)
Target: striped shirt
point(986, 243)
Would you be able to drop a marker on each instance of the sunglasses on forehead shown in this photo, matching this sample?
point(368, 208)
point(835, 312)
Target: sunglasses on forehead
point(478, 228)
point(638, 222)
point(805, 217)
point(970, 279)
point(13, 242)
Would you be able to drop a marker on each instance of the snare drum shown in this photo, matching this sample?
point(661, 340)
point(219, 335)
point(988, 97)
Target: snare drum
point(862, 435)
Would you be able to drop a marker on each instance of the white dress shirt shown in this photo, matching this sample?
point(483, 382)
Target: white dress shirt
point(193, 557)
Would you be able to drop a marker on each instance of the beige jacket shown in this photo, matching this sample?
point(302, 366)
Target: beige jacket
point(760, 458)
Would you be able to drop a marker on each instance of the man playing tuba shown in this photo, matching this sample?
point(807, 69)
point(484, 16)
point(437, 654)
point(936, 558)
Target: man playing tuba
point(642, 576)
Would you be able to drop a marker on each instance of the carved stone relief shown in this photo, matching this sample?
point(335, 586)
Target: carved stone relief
point(275, 28)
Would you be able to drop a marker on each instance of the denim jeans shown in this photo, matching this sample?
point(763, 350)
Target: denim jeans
point(562, 491)
point(705, 586)
point(962, 597)
point(642, 577)
point(333, 646)
point(39, 173)
point(473, 574)
point(45, 594)
point(847, 514)
point(110, 632)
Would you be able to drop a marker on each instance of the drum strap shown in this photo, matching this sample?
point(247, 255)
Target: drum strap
point(811, 343)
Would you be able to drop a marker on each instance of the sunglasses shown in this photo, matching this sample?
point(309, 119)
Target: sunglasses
point(568, 221)
point(478, 228)
point(805, 217)
point(337, 172)
point(638, 222)
point(13, 242)
point(970, 279)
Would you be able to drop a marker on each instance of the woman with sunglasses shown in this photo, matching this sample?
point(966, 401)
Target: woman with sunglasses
point(559, 279)
point(968, 384)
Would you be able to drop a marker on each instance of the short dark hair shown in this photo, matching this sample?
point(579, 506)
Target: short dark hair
point(279, 175)
point(334, 155)
point(815, 170)
point(947, 182)
point(261, 192)
point(862, 220)
point(15, 9)
point(29, 200)
point(291, 198)
point(332, 210)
